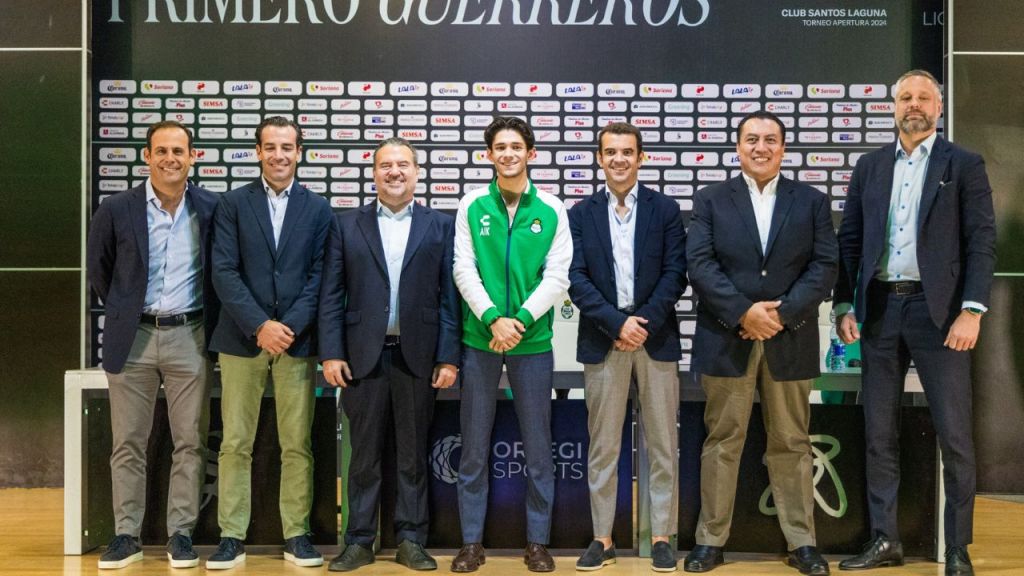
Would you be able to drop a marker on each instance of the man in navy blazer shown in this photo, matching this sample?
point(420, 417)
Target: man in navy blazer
point(762, 256)
point(628, 270)
point(148, 261)
point(390, 335)
point(268, 250)
point(918, 253)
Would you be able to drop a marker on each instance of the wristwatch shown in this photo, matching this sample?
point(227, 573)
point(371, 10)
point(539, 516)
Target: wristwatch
point(974, 311)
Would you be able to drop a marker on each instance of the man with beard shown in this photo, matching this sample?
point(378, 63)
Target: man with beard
point(917, 245)
point(389, 335)
point(268, 249)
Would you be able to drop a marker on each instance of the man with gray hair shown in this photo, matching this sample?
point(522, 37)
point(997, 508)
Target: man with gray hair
point(390, 330)
point(917, 248)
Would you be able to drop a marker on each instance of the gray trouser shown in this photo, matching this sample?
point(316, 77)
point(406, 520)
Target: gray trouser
point(607, 390)
point(175, 356)
point(787, 414)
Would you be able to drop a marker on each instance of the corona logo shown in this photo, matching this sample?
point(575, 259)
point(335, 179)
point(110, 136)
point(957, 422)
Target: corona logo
point(822, 464)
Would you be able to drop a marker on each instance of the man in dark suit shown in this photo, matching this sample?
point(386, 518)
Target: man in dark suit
point(918, 253)
point(762, 256)
point(390, 335)
point(628, 270)
point(268, 250)
point(148, 260)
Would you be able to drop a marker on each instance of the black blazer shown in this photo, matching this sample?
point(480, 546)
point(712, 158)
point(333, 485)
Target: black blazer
point(729, 273)
point(956, 231)
point(659, 275)
point(355, 294)
point(255, 281)
point(117, 262)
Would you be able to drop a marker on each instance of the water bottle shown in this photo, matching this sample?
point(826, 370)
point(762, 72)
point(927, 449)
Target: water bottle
point(836, 356)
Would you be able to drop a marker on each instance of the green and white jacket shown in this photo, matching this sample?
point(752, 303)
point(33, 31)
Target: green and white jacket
point(517, 271)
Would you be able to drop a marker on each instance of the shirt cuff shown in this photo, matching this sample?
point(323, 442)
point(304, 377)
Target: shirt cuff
point(842, 308)
point(973, 304)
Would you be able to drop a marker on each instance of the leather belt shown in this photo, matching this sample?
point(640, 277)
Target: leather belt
point(392, 341)
point(171, 320)
point(902, 288)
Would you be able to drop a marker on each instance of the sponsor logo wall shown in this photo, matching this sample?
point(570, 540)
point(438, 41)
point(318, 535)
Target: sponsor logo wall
point(354, 75)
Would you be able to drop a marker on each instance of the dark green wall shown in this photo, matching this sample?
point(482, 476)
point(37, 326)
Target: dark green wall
point(40, 232)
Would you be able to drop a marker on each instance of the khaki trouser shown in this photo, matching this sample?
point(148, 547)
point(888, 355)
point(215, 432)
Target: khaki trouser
point(787, 415)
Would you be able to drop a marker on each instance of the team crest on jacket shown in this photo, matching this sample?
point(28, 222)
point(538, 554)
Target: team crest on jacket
point(535, 227)
point(567, 309)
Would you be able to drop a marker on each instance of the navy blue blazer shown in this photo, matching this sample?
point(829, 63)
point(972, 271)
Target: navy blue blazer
point(659, 275)
point(730, 273)
point(255, 281)
point(956, 231)
point(355, 294)
point(117, 262)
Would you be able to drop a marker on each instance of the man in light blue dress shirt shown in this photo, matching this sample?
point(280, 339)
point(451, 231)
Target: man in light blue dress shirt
point(389, 331)
point(917, 246)
point(147, 261)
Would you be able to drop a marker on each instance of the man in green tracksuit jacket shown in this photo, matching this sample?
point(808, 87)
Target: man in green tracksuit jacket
point(512, 254)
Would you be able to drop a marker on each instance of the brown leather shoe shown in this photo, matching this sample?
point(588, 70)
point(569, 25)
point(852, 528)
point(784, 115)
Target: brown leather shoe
point(469, 558)
point(537, 558)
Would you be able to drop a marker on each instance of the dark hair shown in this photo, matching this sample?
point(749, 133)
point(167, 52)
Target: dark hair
point(621, 128)
point(395, 141)
point(166, 124)
point(280, 122)
point(509, 123)
point(761, 115)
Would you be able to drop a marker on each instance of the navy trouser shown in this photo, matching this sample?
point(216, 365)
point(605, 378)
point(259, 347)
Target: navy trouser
point(530, 378)
point(896, 330)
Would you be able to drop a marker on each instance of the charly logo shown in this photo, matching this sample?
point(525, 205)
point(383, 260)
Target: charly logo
point(822, 463)
point(535, 226)
point(567, 309)
point(441, 458)
point(485, 225)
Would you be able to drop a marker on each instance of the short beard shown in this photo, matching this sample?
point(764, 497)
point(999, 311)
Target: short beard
point(915, 125)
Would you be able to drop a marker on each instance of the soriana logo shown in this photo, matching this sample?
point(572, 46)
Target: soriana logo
point(325, 156)
point(826, 91)
point(497, 89)
point(326, 88)
point(825, 159)
point(159, 87)
point(658, 90)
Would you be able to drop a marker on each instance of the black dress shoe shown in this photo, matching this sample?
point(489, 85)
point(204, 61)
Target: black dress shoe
point(958, 563)
point(879, 552)
point(354, 556)
point(703, 558)
point(412, 555)
point(808, 560)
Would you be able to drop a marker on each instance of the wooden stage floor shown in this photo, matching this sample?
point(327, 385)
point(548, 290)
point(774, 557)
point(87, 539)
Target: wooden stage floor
point(31, 544)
